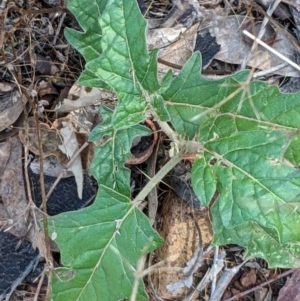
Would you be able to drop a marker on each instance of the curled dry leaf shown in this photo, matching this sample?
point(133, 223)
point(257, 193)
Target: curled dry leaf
point(46, 88)
point(14, 128)
point(143, 156)
point(69, 146)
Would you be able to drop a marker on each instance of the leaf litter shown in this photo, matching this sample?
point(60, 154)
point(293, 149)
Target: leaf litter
point(179, 45)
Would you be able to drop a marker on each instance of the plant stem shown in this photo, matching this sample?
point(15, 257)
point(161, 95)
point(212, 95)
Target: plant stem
point(157, 178)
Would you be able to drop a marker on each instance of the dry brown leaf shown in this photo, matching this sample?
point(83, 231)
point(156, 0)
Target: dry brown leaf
point(80, 97)
point(180, 51)
point(228, 33)
point(69, 147)
point(50, 139)
point(291, 290)
point(11, 105)
point(12, 190)
point(47, 88)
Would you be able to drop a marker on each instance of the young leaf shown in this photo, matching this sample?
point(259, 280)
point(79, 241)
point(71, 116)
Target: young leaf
point(159, 106)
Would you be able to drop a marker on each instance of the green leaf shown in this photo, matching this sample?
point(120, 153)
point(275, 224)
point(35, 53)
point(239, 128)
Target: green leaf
point(88, 79)
point(104, 128)
point(108, 165)
point(159, 106)
point(102, 244)
point(190, 94)
point(203, 179)
point(88, 43)
point(259, 107)
point(218, 108)
point(100, 248)
point(247, 131)
point(258, 198)
point(125, 65)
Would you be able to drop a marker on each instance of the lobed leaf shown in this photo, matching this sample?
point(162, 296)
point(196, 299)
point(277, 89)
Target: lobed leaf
point(88, 43)
point(258, 196)
point(109, 158)
point(190, 94)
point(100, 249)
point(101, 245)
point(125, 65)
point(247, 131)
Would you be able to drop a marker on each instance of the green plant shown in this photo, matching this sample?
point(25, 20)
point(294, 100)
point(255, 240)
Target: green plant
point(245, 136)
